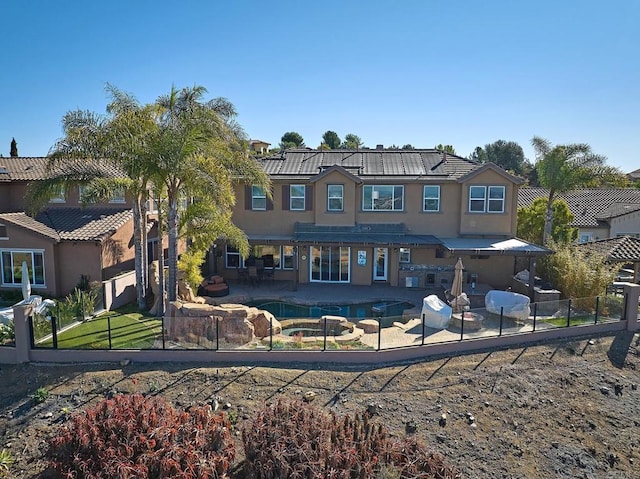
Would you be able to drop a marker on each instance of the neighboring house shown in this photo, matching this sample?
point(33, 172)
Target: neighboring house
point(599, 213)
point(634, 175)
point(623, 250)
point(64, 241)
point(400, 217)
point(259, 146)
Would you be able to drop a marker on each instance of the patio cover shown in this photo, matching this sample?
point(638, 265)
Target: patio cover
point(374, 234)
point(493, 246)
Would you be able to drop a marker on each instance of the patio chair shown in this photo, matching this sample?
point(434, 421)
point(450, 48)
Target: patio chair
point(254, 278)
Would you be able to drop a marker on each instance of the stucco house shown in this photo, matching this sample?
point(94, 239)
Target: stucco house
point(368, 216)
point(65, 240)
point(599, 213)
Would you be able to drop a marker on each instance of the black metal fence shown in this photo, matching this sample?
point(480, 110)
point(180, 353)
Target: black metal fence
point(112, 331)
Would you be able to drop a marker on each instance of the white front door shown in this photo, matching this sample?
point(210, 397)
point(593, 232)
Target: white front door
point(380, 264)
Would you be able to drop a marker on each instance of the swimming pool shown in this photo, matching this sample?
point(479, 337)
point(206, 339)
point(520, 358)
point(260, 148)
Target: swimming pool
point(378, 309)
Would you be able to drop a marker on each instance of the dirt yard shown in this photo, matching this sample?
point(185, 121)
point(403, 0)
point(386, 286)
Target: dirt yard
point(562, 410)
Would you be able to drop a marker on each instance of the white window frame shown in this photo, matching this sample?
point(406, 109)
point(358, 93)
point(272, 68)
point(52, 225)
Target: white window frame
point(332, 196)
point(230, 251)
point(117, 195)
point(585, 237)
point(258, 196)
point(486, 201)
point(298, 197)
point(404, 255)
point(426, 198)
point(33, 279)
point(288, 255)
point(59, 196)
point(493, 200)
point(374, 195)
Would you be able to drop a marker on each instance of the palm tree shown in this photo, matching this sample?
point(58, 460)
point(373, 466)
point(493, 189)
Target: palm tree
point(199, 151)
point(564, 167)
point(112, 143)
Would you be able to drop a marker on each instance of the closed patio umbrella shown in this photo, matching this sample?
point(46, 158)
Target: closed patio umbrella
point(456, 287)
point(26, 283)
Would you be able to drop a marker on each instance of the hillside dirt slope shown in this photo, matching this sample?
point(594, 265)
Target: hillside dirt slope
point(563, 410)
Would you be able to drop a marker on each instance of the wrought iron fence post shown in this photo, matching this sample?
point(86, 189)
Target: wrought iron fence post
point(595, 321)
point(569, 314)
point(32, 339)
point(501, 319)
point(423, 330)
point(108, 329)
point(164, 344)
point(535, 315)
point(54, 332)
point(324, 345)
point(379, 334)
point(217, 318)
point(270, 334)
point(462, 325)
point(624, 306)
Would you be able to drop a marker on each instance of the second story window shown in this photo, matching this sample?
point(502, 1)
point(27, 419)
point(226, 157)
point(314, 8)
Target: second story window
point(296, 197)
point(383, 198)
point(258, 198)
point(431, 198)
point(335, 197)
point(486, 199)
point(117, 195)
point(57, 196)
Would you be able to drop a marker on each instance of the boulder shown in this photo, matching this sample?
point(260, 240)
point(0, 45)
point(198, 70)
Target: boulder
point(369, 325)
point(236, 330)
point(264, 322)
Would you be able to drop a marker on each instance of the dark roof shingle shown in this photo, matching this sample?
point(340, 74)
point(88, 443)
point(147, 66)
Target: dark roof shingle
point(589, 205)
point(623, 248)
point(369, 163)
point(38, 168)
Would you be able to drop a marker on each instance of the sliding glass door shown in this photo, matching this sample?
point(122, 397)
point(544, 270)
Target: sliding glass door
point(330, 264)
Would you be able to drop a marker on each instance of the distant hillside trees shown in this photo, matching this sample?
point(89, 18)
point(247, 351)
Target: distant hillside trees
point(291, 139)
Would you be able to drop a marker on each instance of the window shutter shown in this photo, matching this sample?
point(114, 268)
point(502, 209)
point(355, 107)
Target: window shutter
point(308, 198)
point(247, 197)
point(285, 197)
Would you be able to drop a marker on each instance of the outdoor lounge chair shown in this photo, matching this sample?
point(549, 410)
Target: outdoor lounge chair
point(215, 286)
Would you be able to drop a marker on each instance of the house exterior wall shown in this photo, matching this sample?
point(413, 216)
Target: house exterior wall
point(489, 223)
point(626, 224)
point(118, 253)
point(20, 239)
point(76, 259)
point(276, 223)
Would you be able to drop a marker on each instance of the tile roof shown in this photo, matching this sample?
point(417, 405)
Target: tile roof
point(25, 221)
point(37, 168)
point(84, 224)
point(589, 205)
point(73, 224)
point(623, 248)
point(634, 175)
point(369, 163)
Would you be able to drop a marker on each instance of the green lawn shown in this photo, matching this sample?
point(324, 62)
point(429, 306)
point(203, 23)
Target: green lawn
point(129, 330)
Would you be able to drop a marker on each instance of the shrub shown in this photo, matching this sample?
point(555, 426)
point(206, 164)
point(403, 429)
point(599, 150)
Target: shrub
point(6, 459)
point(142, 437)
point(7, 332)
point(577, 273)
point(296, 439)
point(40, 395)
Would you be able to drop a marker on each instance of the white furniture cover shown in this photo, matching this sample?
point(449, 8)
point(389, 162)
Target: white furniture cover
point(435, 312)
point(515, 305)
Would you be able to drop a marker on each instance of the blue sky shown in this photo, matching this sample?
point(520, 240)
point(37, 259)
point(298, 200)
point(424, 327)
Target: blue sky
point(462, 72)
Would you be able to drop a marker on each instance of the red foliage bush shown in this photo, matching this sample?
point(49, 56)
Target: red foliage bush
point(132, 436)
point(298, 440)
